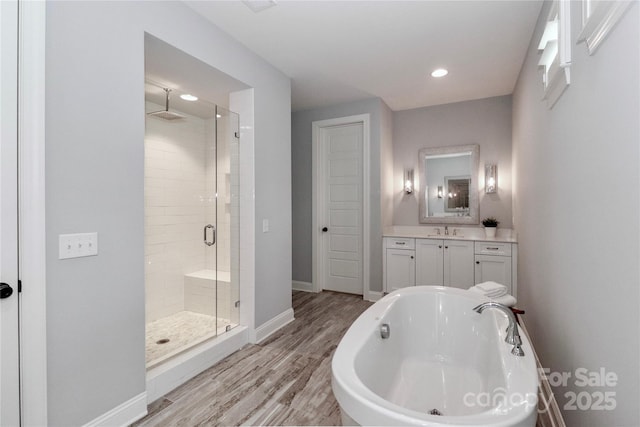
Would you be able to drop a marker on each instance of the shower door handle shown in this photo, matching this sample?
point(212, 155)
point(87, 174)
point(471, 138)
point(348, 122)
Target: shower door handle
point(206, 241)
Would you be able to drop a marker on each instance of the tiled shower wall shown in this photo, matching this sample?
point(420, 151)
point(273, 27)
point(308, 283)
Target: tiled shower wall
point(178, 205)
point(223, 211)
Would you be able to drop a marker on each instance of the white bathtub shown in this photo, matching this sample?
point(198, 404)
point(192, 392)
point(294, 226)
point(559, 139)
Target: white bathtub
point(440, 355)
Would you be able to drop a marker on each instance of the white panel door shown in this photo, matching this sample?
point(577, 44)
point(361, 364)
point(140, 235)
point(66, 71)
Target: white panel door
point(458, 264)
point(429, 262)
point(342, 228)
point(9, 355)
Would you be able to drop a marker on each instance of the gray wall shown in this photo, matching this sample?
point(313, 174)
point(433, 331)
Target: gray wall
point(578, 261)
point(301, 188)
point(94, 178)
point(386, 165)
point(486, 122)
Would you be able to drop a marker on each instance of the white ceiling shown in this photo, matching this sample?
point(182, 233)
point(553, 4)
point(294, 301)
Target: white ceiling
point(340, 51)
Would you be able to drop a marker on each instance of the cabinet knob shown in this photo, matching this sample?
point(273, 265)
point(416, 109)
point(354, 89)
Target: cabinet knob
point(440, 247)
point(477, 262)
point(411, 256)
point(446, 247)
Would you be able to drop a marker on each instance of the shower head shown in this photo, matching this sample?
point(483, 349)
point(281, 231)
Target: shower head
point(166, 114)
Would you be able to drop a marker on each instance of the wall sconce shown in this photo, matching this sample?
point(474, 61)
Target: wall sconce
point(440, 192)
point(490, 179)
point(408, 181)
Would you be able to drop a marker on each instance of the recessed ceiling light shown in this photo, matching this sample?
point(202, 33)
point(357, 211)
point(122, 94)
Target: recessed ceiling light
point(188, 97)
point(218, 116)
point(440, 72)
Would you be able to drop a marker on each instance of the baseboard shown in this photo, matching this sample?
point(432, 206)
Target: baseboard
point(271, 326)
point(374, 296)
point(124, 414)
point(297, 285)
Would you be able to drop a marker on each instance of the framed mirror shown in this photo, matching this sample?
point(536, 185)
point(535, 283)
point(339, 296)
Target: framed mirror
point(449, 185)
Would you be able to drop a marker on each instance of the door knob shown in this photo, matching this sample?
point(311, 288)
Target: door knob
point(325, 229)
point(5, 290)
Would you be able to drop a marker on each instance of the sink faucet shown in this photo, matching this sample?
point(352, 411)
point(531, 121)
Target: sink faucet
point(513, 336)
point(446, 230)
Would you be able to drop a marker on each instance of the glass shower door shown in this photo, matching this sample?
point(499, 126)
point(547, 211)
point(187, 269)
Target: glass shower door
point(228, 218)
point(192, 214)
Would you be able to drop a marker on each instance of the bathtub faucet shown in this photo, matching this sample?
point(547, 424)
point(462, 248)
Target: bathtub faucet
point(513, 336)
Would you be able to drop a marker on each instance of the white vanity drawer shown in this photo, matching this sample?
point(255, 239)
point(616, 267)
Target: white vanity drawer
point(400, 243)
point(491, 248)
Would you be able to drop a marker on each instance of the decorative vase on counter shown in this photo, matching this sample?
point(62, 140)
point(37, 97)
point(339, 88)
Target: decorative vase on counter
point(490, 226)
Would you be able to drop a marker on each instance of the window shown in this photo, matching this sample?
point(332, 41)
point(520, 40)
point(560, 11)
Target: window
point(598, 19)
point(555, 45)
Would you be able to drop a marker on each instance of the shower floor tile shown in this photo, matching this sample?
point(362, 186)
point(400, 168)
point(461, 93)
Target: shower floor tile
point(183, 330)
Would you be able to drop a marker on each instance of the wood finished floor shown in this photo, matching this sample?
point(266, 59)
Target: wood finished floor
point(285, 380)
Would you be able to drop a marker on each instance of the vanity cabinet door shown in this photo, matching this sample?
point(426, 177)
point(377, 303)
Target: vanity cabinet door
point(429, 262)
point(400, 269)
point(458, 264)
point(494, 268)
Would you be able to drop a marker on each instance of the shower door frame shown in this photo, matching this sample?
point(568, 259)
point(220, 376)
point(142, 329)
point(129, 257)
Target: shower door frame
point(221, 158)
point(228, 143)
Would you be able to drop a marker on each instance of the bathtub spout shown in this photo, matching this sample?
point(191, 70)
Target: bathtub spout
point(385, 331)
point(513, 335)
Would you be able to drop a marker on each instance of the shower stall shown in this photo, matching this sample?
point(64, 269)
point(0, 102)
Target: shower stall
point(192, 213)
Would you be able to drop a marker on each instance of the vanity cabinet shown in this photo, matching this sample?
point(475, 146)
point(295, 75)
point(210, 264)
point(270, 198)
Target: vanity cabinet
point(458, 264)
point(399, 264)
point(447, 262)
point(444, 263)
point(430, 267)
point(494, 262)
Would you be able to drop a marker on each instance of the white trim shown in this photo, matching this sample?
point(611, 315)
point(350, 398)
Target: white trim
point(124, 414)
point(32, 212)
point(317, 197)
point(297, 285)
point(180, 369)
point(270, 326)
point(597, 24)
point(375, 295)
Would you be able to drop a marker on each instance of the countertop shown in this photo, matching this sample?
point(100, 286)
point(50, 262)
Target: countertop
point(503, 235)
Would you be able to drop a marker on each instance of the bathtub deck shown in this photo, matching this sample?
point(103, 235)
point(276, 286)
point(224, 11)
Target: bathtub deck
point(285, 380)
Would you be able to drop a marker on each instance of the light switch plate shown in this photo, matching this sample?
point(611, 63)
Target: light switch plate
point(77, 245)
